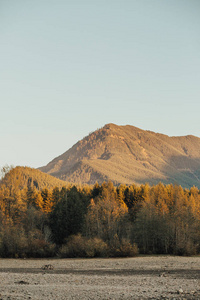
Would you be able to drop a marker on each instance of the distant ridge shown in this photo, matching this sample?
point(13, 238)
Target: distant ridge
point(127, 154)
point(22, 177)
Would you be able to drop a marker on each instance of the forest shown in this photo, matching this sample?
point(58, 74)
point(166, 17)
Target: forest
point(96, 221)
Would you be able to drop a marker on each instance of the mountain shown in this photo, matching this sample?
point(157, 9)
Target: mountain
point(21, 177)
point(127, 154)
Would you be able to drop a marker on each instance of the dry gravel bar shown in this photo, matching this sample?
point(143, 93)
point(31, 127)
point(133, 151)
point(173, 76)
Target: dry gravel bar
point(144, 277)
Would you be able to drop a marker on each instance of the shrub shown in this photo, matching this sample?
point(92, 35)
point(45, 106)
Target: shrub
point(123, 248)
point(79, 246)
point(38, 246)
point(14, 242)
point(97, 247)
point(128, 249)
point(75, 247)
point(187, 250)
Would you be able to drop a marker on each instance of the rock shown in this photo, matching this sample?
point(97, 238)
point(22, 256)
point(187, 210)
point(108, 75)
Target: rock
point(47, 267)
point(22, 282)
point(163, 275)
point(180, 291)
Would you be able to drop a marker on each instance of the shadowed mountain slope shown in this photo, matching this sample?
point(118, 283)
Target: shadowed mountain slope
point(126, 154)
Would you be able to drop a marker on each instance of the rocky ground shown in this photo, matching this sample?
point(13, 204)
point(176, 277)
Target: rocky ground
point(149, 277)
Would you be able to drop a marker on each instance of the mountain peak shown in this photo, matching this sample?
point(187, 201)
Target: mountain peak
point(127, 154)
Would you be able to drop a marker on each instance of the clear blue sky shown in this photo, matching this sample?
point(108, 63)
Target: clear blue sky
point(68, 67)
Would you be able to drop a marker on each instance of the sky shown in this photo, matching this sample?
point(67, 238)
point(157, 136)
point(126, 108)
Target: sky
point(68, 67)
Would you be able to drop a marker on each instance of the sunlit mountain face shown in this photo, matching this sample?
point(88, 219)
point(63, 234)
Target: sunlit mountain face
point(126, 154)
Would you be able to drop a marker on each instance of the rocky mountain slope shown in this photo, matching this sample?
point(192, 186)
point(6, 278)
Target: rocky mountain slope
point(126, 154)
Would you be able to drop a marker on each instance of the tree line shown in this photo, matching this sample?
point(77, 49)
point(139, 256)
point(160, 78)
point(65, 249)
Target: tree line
point(98, 221)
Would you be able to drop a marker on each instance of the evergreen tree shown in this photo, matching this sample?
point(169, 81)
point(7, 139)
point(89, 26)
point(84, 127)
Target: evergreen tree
point(67, 216)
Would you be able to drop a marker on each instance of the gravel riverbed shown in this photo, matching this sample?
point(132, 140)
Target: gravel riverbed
point(143, 277)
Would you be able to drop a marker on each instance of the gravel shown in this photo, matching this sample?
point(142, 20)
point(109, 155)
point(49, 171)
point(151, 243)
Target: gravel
point(143, 277)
